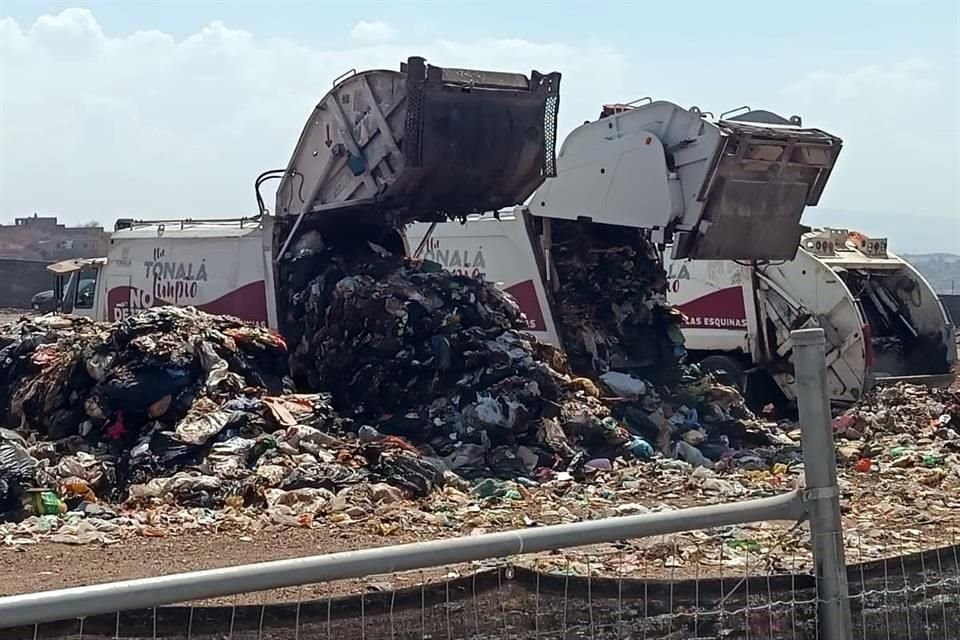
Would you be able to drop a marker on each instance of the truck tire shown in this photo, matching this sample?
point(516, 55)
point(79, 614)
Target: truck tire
point(762, 390)
point(725, 369)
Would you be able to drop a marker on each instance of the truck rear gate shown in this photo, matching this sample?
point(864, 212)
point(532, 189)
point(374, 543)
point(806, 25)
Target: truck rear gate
point(762, 177)
point(907, 333)
point(423, 143)
point(731, 189)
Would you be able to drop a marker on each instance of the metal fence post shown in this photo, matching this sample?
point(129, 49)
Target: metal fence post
point(822, 494)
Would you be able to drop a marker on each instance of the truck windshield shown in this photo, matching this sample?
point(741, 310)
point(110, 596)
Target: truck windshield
point(86, 288)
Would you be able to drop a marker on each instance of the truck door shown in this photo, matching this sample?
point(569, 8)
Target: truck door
point(85, 292)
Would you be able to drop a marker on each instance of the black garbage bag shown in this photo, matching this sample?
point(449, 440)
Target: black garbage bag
point(15, 461)
point(330, 476)
point(17, 467)
point(409, 471)
point(135, 389)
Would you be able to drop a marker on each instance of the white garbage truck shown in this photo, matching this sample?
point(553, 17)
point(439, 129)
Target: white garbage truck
point(883, 320)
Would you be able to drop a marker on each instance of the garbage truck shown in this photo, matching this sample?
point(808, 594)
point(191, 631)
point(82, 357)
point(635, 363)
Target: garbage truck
point(381, 149)
point(387, 149)
point(883, 321)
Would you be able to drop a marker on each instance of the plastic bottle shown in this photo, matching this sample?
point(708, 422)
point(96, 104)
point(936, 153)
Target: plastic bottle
point(47, 503)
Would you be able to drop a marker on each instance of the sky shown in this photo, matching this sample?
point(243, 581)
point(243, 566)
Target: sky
point(171, 109)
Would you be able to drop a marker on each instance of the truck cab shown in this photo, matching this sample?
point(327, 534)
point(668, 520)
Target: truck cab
point(75, 289)
point(217, 266)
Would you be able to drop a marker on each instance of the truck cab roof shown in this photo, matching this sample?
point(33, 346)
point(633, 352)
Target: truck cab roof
point(75, 264)
point(182, 229)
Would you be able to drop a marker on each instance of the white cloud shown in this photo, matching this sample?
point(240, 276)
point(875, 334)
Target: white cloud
point(98, 125)
point(72, 30)
point(914, 77)
point(377, 31)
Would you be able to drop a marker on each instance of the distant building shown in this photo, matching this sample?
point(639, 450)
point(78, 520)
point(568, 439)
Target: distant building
point(43, 238)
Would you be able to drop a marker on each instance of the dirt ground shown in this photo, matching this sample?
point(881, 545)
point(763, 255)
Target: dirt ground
point(882, 518)
point(42, 567)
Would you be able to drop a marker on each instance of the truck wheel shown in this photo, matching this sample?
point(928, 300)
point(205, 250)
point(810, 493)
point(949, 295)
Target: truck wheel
point(725, 369)
point(763, 390)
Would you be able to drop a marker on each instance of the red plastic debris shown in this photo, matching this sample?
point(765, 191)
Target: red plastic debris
point(118, 429)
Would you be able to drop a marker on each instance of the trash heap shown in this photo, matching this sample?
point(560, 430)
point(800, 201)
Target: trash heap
point(443, 361)
point(612, 293)
point(415, 379)
point(902, 426)
point(171, 403)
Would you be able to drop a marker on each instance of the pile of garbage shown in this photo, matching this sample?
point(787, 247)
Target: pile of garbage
point(444, 361)
point(902, 426)
point(612, 292)
point(414, 378)
point(168, 403)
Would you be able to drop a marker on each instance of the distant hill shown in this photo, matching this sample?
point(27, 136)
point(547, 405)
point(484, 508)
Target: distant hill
point(942, 270)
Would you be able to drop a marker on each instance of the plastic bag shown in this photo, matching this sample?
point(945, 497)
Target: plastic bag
point(98, 366)
point(203, 422)
point(85, 532)
point(689, 453)
point(553, 435)
point(624, 385)
point(640, 448)
point(15, 462)
point(488, 412)
point(82, 466)
point(301, 501)
point(215, 366)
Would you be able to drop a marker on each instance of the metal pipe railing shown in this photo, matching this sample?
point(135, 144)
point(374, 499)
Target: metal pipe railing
point(823, 492)
point(78, 602)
